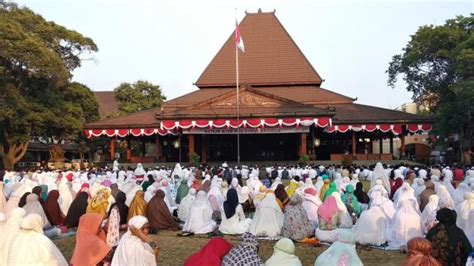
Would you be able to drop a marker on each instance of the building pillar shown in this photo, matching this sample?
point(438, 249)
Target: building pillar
point(354, 143)
point(112, 149)
point(128, 154)
point(191, 146)
point(303, 147)
point(143, 148)
point(204, 149)
point(158, 148)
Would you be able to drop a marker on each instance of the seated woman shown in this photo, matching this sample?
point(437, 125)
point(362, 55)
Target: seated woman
point(121, 207)
point(233, 217)
point(211, 254)
point(8, 231)
point(281, 196)
point(138, 206)
point(341, 252)
point(100, 202)
point(296, 225)
point(159, 215)
point(350, 200)
point(406, 224)
point(450, 243)
point(372, 227)
point(283, 254)
point(311, 203)
point(268, 218)
point(419, 253)
point(332, 215)
point(332, 188)
point(362, 197)
point(53, 210)
point(186, 202)
point(34, 206)
point(77, 209)
point(91, 247)
point(200, 216)
point(245, 198)
point(133, 248)
point(428, 216)
point(40, 250)
point(244, 254)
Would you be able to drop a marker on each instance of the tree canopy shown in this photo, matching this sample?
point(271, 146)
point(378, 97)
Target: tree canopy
point(36, 94)
point(139, 96)
point(438, 67)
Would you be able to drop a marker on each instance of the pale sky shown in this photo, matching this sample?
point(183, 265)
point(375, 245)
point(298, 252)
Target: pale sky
point(169, 43)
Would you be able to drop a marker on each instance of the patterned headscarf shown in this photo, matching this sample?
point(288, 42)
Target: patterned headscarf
point(244, 254)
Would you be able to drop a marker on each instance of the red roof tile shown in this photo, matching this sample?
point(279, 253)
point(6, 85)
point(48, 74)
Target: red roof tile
point(107, 103)
point(271, 57)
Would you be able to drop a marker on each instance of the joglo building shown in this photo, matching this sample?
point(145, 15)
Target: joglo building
point(284, 112)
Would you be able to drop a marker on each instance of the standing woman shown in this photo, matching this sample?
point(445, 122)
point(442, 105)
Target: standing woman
point(133, 248)
point(91, 247)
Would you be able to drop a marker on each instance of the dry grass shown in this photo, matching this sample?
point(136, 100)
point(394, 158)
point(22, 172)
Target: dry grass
point(174, 250)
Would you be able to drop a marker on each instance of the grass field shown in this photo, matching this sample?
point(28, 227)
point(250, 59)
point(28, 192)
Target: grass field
point(175, 250)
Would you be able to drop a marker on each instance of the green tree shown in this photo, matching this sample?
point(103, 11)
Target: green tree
point(36, 95)
point(438, 67)
point(142, 95)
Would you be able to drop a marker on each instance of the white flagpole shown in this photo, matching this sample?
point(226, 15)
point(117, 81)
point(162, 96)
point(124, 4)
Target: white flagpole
point(237, 89)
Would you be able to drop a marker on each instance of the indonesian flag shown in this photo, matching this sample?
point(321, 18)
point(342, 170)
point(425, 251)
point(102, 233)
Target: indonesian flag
point(238, 38)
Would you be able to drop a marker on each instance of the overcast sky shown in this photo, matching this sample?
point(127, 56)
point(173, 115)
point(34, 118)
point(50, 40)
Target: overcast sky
point(349, 43)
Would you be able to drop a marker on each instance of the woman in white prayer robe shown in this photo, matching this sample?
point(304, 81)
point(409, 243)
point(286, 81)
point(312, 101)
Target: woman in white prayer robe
point(214, 195)
point(268, 218)
point(378, 187)
point(469, 230)
point(34, 206)
point(341, 252)
point(39, 249)
point(186, 202)
point(8, 231)
point(428, 216)
point(319, 184)
point(200, 216)
point(150, 192)
point(372, 227)
point(406, 193)
point(380, 173)
point(406, 225)
point(445, 199)
point(418, 187)
point(65, 196)
point(233, 217)
point(458, 196)
point(132, 249)
point(463, 210)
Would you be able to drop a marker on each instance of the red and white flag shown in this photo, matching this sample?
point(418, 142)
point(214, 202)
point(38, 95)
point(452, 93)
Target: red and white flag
point(238, 38)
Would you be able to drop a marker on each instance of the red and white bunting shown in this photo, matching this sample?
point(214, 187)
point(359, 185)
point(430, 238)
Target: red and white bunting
point(396, 129)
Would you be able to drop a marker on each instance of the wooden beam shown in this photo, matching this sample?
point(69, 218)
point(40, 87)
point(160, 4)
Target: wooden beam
point(112, 149)
point(303, 148)
point(391, 145)
point(191, 146)
point(158, 148)
point(380, 143)
point(204, 148)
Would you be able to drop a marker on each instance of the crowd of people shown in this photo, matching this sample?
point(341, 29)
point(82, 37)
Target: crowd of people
point(426, 212)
